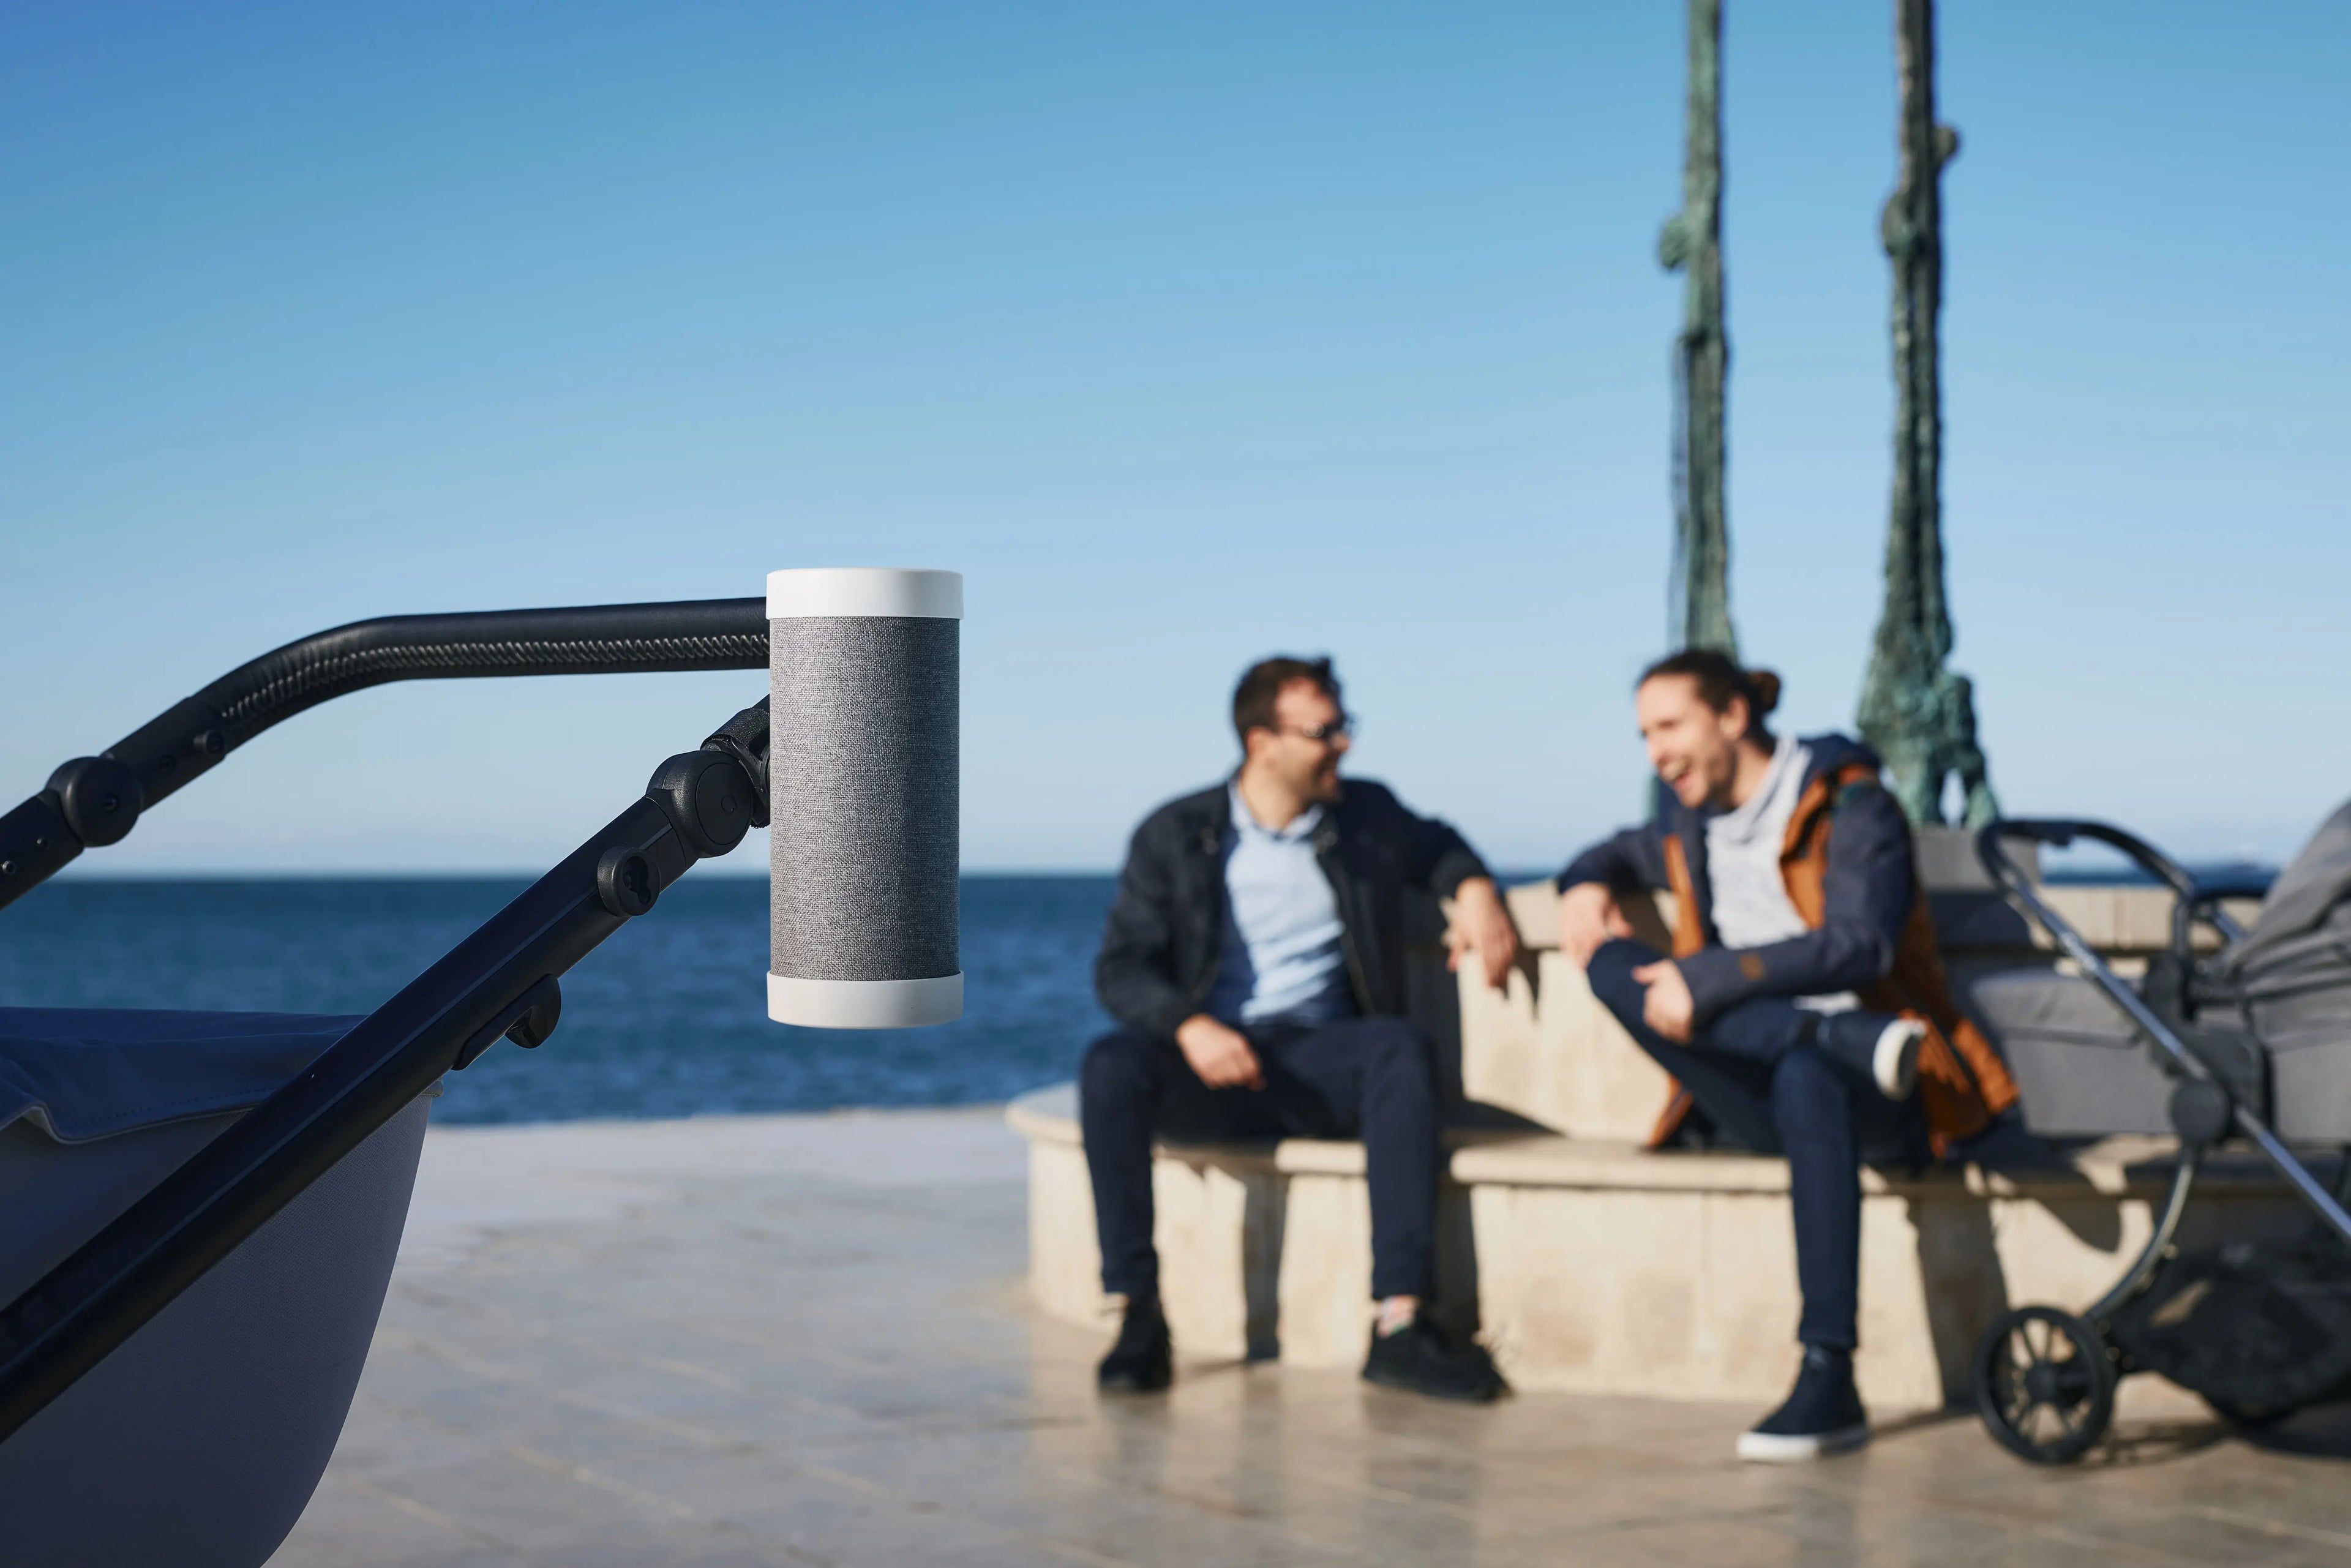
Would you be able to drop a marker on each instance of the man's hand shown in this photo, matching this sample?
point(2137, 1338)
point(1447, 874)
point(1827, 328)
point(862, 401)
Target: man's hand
point(1667, 1008)
point(1481, 924)
point(1588, 916)
point(1219, 1053)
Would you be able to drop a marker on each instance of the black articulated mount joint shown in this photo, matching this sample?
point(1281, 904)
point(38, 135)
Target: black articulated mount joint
point(744, 737)
point(709, 797)
point(100, 798)
point(93, 801)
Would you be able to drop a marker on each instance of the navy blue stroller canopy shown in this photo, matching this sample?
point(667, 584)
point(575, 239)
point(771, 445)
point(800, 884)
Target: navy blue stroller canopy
point(201, 1439)
point(80, 1073)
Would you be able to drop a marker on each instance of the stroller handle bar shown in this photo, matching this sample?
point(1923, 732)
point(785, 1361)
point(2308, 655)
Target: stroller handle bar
point(2194, 902)
point(2061, 832)
point(2195, 899)
point(2022, 889)
point(93, 801)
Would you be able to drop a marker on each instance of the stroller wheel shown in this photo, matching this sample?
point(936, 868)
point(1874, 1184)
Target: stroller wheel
point(2044, 1384)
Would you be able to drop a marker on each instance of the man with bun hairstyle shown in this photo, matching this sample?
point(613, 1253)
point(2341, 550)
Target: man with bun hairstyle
point(1254, 960)
point(1803, 1010)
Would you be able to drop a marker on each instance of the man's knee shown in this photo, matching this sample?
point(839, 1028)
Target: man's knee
point(1806, 1093)
point(1116, 1065)
point(1395, 1050)
point(1610, 975)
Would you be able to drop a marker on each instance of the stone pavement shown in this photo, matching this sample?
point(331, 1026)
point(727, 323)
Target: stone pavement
point(803, 1341)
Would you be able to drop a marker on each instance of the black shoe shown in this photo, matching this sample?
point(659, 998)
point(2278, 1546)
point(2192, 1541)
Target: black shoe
point(1144, 1359)
point(1419, 1359)
point(1823, 1415)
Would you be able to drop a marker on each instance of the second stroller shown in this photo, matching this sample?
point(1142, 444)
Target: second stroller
point(2250, 1042)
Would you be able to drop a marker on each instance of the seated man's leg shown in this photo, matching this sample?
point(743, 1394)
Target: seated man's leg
point(1735, 1091)
point(1119, 1089)
point(1372, 1077)
point(1796, 1101)
point(1129, 1086)
point(1812, 1106)
point(1877, 1049)
point(1376, 1078)
point(1825, 1118)
point(1804, 1109)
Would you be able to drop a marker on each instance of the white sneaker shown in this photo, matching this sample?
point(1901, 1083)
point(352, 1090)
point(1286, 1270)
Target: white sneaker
point(1800, 1447)
point(1894, 1063)
point(1823, 1416)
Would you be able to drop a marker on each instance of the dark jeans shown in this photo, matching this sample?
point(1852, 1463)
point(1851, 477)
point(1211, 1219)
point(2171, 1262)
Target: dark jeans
point(1372, 1078)
point(1753, 1072)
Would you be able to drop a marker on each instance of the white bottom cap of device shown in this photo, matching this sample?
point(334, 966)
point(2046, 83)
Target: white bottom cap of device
point(864, 1004)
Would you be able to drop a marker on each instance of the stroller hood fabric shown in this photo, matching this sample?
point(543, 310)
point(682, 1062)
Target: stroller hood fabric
point(2086, 1073)
point(79, 1075)
point(2309, 899)
point(2292, 975)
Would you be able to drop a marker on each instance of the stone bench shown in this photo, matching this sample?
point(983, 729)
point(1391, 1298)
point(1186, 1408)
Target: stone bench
point(1590, 1265)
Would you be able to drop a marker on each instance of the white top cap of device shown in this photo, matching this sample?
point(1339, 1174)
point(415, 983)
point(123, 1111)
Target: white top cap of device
point(830, 591)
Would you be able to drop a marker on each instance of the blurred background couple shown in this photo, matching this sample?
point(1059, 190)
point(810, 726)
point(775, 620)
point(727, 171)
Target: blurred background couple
point(1254, 962)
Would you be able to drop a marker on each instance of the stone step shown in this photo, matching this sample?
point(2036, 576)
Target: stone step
point(1589, 1265)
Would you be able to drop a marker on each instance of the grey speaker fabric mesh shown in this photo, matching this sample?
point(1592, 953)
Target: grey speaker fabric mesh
point(863, 776)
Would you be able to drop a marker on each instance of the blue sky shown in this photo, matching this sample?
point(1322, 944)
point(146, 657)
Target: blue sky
point(1188, 333)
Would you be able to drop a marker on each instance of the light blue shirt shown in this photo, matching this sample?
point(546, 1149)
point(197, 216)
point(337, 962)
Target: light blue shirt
point(1284, 954)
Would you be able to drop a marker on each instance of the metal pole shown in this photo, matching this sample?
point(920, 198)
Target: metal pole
point(1918, 714)
point(1699, 597)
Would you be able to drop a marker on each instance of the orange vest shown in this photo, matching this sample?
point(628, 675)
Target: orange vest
point(1962, 1083)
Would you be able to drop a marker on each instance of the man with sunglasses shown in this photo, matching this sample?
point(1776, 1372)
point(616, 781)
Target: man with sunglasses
point(1254, 960)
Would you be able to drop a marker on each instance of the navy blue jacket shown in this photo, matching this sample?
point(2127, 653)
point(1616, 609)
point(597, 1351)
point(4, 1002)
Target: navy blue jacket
point(1167, 926)
point(1869, 884)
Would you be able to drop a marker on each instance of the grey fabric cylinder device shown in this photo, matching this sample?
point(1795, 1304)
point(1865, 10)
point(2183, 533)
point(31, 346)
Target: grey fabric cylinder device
point(863, 714)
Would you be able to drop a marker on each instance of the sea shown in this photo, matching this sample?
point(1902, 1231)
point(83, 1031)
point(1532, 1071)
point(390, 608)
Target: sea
point(668, 1018)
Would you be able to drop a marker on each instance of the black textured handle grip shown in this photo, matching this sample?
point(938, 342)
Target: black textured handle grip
point(597, 640)
point(189, 738)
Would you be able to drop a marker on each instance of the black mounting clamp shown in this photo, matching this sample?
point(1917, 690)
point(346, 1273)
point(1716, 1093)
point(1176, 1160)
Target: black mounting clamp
point(100, 798)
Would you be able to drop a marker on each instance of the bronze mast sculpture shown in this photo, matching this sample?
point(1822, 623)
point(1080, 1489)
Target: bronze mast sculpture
point(1699, 612)
point(1918, 714)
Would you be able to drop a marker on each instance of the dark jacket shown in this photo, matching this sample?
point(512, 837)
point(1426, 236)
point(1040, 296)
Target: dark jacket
point(1869, 882)
point(1847, 863)
point(1166, 928)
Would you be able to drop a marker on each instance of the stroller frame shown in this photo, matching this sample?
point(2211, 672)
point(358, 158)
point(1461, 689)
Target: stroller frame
point(2038, 1359)
point(500, 982)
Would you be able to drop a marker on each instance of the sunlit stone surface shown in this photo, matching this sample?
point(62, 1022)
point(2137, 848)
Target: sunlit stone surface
point(802, 1341)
